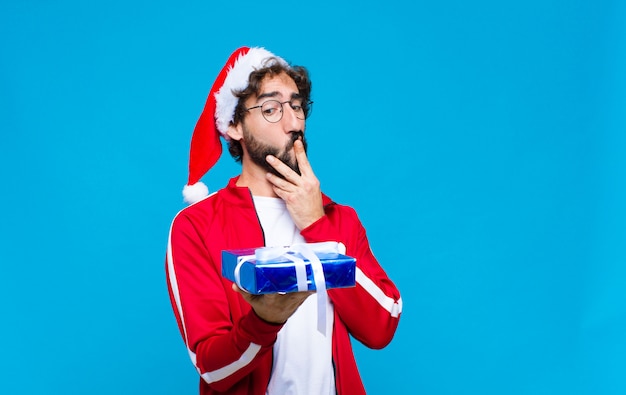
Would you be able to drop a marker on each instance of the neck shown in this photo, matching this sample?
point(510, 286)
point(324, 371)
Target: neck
point(254, 178)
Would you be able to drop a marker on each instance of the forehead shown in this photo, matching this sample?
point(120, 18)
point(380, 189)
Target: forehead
point(279, 85)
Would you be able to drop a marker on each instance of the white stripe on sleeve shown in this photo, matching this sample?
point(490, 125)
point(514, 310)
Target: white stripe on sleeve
point(394, 308)
point(220, 373)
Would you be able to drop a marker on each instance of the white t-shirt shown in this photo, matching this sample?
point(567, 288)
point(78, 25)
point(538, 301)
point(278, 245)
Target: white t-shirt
point(302, 355)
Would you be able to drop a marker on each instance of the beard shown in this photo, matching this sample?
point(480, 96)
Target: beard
point(258, 151)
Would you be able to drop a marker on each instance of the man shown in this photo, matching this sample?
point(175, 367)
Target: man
point(242, 343)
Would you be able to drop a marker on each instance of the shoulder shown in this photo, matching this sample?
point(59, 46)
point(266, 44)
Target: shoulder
point(198, 212)
point(333, 209)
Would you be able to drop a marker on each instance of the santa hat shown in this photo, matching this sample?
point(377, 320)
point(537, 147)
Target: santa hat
point(218, 114)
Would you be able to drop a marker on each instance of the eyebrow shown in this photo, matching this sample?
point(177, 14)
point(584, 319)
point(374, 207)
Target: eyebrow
point(276, 93)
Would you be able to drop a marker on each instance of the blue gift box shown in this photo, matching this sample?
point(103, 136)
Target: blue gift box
point(259, 275)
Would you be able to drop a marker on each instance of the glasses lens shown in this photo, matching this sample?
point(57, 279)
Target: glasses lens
point(296, 106)
point(272, 110)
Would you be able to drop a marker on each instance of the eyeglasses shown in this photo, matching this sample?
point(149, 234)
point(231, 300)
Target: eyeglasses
point(272, 110)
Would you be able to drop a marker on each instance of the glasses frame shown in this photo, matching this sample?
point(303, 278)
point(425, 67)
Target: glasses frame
point(282, 111)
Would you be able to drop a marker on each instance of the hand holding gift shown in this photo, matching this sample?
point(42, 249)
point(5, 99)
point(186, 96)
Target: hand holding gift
point(275, 278)
point(274, 308)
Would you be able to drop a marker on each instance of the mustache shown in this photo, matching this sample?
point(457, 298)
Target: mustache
point(295, 136)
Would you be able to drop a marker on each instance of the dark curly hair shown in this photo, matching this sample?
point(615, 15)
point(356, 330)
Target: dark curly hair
point(300, 76)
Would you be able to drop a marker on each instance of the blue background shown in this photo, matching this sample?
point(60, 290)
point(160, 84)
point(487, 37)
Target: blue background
point(482, 143)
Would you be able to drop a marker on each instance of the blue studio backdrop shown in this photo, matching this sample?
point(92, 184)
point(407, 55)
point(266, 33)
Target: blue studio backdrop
point(483, 145)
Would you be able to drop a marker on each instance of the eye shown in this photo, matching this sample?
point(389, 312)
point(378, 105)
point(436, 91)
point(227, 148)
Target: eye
point(270, 107)
point(296, 105)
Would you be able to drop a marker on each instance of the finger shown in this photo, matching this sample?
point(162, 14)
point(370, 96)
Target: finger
point(241, 292)
point(280, 183)
point(238, 289)
point(303, 160)
point(281, 193)
point(282, 168)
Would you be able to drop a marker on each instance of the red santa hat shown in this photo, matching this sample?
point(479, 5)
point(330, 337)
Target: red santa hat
point(218, 114)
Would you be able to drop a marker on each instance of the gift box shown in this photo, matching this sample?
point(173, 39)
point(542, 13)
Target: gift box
point(289, 269)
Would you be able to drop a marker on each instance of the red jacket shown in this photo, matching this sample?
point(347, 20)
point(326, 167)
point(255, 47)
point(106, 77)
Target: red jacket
point(229, 345)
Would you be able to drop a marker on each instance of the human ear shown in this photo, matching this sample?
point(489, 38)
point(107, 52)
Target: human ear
point(235, 132)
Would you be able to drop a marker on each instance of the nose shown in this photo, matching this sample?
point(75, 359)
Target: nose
point(291, 123)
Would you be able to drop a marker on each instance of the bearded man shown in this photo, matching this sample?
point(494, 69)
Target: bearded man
point(242, 343)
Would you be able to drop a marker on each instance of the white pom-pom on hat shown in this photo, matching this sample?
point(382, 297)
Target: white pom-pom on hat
point(194, 193)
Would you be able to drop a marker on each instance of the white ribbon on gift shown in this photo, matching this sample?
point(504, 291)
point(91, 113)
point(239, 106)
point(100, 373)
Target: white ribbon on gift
point(309, 251)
